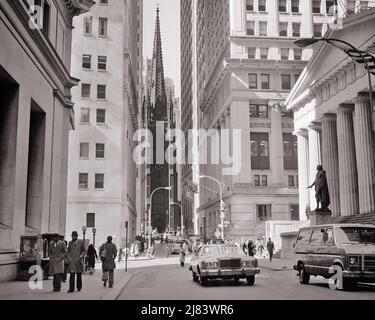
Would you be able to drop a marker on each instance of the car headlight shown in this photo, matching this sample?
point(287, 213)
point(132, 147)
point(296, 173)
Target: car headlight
point(212, 265)
point(353, 261)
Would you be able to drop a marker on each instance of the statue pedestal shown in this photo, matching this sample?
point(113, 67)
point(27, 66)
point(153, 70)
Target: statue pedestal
point(320, 217)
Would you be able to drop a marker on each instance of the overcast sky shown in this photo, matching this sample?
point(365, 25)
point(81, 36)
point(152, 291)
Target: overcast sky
point(170, 35)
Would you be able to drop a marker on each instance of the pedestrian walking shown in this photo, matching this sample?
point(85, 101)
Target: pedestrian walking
point(76, 252)
point(119, 254)
point(108, 253)
point(182, 254)
point(244, 247)
point(92, 256)
point(57, 252)
point(270, 248)
point(250, 248)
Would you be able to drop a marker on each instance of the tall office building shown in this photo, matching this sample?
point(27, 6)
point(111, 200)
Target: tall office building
point(246, 65)
point(107, 57)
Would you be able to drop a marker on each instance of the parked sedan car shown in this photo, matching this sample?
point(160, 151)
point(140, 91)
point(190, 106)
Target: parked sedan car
point(223, 261)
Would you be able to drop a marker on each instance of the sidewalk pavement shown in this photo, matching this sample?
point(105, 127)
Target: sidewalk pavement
point(276, 264)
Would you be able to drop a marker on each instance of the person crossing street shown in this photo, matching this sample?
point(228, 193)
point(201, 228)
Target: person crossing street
point(108, 254)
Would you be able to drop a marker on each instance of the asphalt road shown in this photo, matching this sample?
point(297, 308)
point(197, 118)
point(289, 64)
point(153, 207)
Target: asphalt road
point(175, 283)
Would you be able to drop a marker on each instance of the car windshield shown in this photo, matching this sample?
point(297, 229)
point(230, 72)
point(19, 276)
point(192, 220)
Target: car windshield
point(231, 250)
point(355, 235)
point(210, 250)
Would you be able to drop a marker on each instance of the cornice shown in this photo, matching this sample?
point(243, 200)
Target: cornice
point(77, 7)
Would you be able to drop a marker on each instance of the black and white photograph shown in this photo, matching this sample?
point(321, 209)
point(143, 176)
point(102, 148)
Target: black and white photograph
point(201, 152)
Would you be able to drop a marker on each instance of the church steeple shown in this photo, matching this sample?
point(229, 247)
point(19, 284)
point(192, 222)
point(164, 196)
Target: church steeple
point(158, 97)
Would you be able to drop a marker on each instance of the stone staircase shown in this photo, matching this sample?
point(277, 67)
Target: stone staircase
point(367, 218)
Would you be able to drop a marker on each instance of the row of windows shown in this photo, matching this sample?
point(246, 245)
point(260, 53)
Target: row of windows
point(264, 212)
point(260, 151)
point(262, 180)
point(295, 6)
point(100, 115)
point(83, 181)
point(284, 53)
point(84, 150)
point(286, 29)
point(102, 26)
point(286, 81)
point(101, 91)
point(87, 62)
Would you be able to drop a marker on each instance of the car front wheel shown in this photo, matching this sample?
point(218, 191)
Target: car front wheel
point(202, 280)
point(250, 280)
point(195, 277)
point(304, 277)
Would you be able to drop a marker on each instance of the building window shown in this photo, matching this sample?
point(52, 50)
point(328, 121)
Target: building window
point(99, 151)
point(264, 212)
point(316, 4)
point(84, 150)
point(85, 115)
point(87, 26)
point(318, 28)
point(264, 181)
point(350, 4)
point(250, 28)
point(253, 81)
point(296, 26)
point(251, 53)
point(285, 82)
point(291, 181)
point(90, 220)
point(260, 159)
point(261, 5)
point(83, 182)
point(100, 116)
point(99, 181)
point(257, 180)
point(284, 53)
point(103, 26)
point(105, 2)
point(282, 5)
point(363, 5)
point(290, 152)
point(330, 9)
point(249, 5)
point(46, 16)
point(295, 6)
point(86, 61)
point(258, 111)
point(85, 90)
point(297, 53)
point(283, 29)
point(263, 28)
point(294, 212)
point(101, 91)
point(264, 53)
point(265, 81)
point(296, 77)
point(102, 63)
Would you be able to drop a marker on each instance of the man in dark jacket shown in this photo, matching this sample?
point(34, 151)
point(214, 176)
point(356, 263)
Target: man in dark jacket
point(57, 253)
point(108, 253)
point(76, 252)
point(270, 248)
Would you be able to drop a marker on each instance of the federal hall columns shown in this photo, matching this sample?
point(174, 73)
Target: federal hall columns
point(314, 132)
point(330, 160)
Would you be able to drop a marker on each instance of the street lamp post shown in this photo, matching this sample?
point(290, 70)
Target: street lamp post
point(149, 216)
point(222, 213)
point(182, 217)
point(93, 235)
point(357, 55)
point(84, 229)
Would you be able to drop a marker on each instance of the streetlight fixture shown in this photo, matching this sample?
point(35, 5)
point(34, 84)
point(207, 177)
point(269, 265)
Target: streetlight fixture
point(222, 210)
point(357, 55)
point(149, 216)
point(182, 217)
point(84, 229)
point(93, 235)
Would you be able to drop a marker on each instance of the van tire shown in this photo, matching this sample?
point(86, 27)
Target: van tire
point(303, 276)
point(195, 277)
point(250, 280)
point(347, 284)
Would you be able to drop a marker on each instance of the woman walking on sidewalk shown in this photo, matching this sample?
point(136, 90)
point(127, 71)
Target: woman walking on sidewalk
point(91, 258)
point(108, 254)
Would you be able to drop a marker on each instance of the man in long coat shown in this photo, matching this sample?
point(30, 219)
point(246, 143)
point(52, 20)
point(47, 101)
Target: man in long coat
point(76, 252)
point(57, 252)
point(108, 253)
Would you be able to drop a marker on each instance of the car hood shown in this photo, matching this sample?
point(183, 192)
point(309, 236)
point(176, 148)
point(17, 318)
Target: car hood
point(358, 248)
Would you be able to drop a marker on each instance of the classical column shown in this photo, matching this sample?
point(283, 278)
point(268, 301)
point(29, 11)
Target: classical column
point(276, 148)
point(314, 158)
point(303, 173)
point(330, 160)
point(364, 150)
point(347, 161)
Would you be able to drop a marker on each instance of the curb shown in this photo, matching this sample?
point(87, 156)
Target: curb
point(119, 288)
